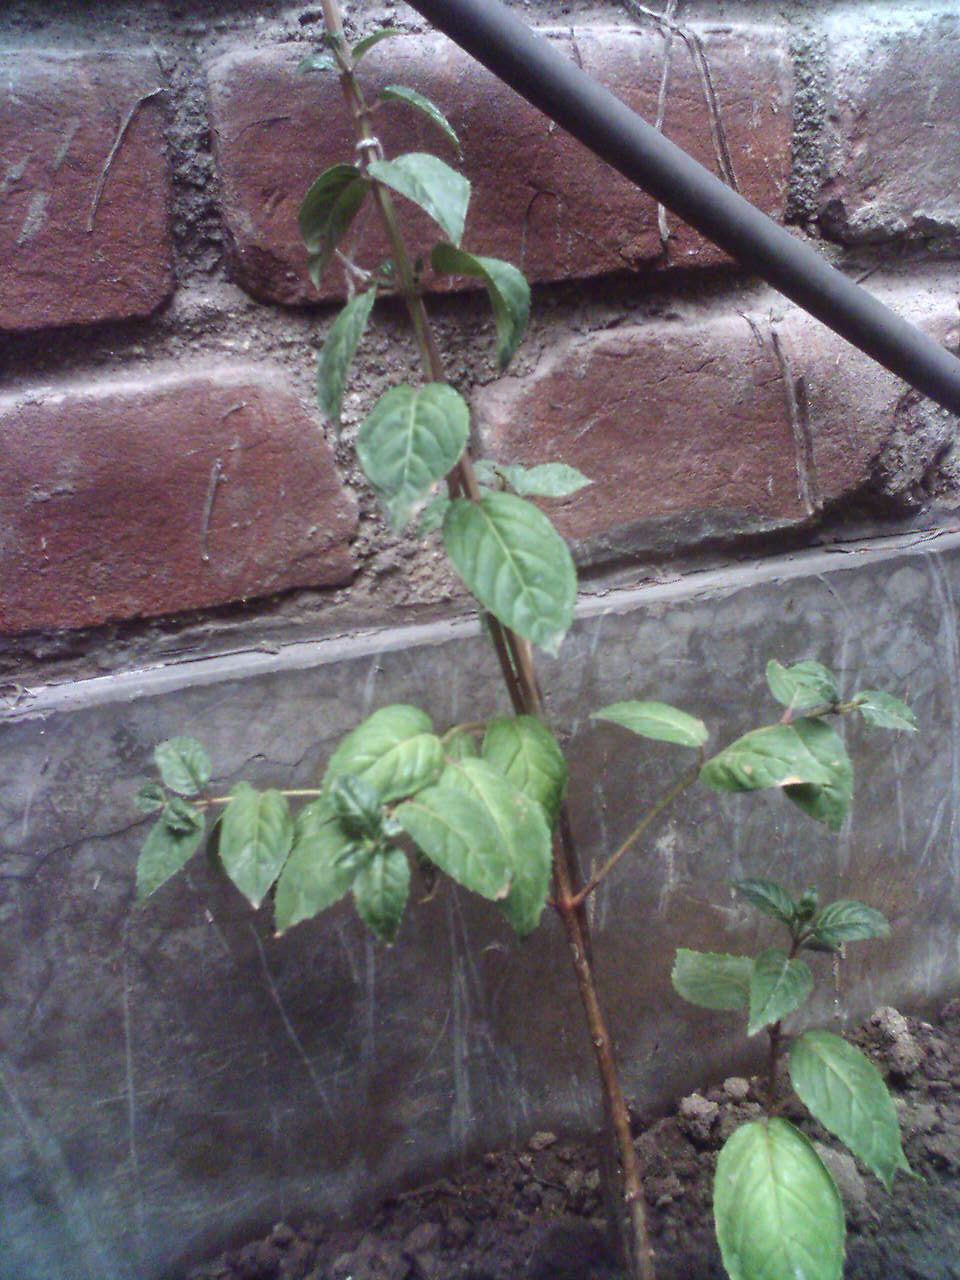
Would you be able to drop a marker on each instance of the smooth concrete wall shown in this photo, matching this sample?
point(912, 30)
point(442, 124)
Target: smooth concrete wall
point(172, 1075)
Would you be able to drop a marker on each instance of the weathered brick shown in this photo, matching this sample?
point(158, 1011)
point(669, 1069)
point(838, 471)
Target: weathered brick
point(85, 189)
point(127, 499)
point(716, 427)
point(540, 199)
point(682, 426)
point(866, 430)
point(893, 142)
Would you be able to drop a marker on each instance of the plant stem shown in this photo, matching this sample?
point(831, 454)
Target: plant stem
point(515, 657)
point(689, 777)
point(309, 793)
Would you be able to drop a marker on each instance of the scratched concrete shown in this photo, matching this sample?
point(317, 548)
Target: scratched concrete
point(173, 1076)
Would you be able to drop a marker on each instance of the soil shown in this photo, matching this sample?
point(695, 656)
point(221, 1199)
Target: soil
point(537, 1213)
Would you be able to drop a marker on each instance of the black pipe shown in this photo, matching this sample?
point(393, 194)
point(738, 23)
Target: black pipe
point(531, 66)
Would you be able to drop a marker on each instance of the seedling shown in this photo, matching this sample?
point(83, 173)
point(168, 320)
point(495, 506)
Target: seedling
point(482, 802)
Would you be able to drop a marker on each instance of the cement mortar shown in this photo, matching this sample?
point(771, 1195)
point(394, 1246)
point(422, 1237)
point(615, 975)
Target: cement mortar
point(173, 1076)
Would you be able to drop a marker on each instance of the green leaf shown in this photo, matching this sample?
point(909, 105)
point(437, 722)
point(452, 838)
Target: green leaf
point(184, 765)
point(831, 802)
point(846, 1093)
point(848, 921)
point(394, 750)
point(357, 806)
point(548, 480)
point(778, 985)
point(369, 42)
point(523, 832)
point(339, 350)
point(711, 980)
point(485, 473)
point(170, 843)
point(150, 798)
point(400, 93)
point(256, 835)
point(432, 515)
point(767, 896)
point(807, 905)
point(321, 868)
point(527, 754)
point(380, 892)
point(773, 757)
point(457, 835)
point(507, 287)
point(439, 190)
point(412, 438)
point(777, 1209)
point(328, 208)
point(655, 720)
point(461, 747)
point(803, 686)
point(885, 711)
point(324, 61)
point(515, 563)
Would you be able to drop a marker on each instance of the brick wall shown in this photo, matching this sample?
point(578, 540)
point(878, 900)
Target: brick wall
point(166, 480)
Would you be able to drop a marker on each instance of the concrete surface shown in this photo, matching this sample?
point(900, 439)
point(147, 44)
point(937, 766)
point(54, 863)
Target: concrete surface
point(172, 1076)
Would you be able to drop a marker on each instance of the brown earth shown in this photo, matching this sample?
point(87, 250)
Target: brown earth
point(537, 1213)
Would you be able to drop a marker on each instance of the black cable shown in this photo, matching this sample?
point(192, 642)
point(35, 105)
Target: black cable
point(531, 66)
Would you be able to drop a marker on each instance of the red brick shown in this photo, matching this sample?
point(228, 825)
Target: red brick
point(60, 118)
point(683, 422)
point(539, 199)
point(867, 430)
point(894, 137)
point(128, 499)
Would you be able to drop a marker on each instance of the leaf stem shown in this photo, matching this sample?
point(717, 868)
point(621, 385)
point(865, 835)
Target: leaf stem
point(467, 726)
point(291, 795)
point(666, 799)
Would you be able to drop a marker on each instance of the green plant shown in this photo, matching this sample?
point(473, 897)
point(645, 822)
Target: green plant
point(777, 1209)
point(482, 802)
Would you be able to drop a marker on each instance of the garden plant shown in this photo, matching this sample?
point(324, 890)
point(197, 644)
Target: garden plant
point(483, 802)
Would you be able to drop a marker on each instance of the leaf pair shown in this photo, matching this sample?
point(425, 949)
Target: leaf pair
point(767, 988)
point(842, 921)
point(809, 686)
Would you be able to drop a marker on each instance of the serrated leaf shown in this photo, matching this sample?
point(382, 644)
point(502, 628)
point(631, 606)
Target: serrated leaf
point(394, 750)
point(324, 61)
point(321, 868)
point(547, 480)
point(431, 517)
point(772, 757)
point(767, 896)
point(150, 798)
point(184, 765)
point(803, 686)
point(256, 835)
point(439, 190)
point(410, 97)
point(411, 439)
point(357, 806)
point(181, 817)
point(369, 42)
point(846, 1093)
point(712, 980)
point(330, 205)
point(828, 803)
point(885, 711)
point(380, 892)
point(655, 720)
point(848, 921)
point(524, 750)
point(508, 290)
point(457, 835)
point(523, 831)
point(339, 350)
point(777, 1210)
point(167, 847)
point(515, 563)
point(778, 985)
